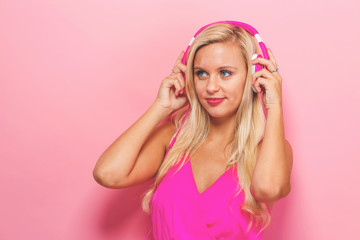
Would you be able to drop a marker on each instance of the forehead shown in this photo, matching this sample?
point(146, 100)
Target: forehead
point(219, 54)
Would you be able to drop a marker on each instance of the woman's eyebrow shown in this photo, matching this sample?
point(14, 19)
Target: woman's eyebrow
point(196, 67)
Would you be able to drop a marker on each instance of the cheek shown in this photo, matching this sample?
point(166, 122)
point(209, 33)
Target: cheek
point(241, 85)
point(199, 88)
point(237, 91)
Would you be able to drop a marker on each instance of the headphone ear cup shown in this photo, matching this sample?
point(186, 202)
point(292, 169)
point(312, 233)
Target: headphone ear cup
point(255, 67)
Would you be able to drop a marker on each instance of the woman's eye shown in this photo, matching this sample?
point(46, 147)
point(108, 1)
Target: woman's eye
point(198, 73)
point(223, 72)
point(229, 73)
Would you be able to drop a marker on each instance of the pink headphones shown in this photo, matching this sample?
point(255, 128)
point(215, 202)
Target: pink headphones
point(255, 68)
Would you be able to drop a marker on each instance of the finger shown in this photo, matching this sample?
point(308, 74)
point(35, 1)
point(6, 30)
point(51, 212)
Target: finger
point(179, 76)
point(180, 57)
point(271, 56)
point(175, 83)
point(260, 81)
point(182, 67)
point(269, 64)
point(262, 73)
point(181, 80)
point(179, 68)
point(180, 83)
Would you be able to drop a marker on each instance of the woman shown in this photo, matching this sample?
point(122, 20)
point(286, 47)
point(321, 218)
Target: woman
point(228, 164)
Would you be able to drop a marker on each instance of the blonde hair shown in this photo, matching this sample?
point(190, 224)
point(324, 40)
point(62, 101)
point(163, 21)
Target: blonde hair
point(249, 129)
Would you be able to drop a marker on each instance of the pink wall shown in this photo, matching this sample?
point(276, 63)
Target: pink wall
point(76, 74)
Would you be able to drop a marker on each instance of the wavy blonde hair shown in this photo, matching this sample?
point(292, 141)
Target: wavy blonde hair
point(249, 129)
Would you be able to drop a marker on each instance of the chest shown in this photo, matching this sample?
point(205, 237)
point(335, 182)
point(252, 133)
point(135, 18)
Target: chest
point(208, 164)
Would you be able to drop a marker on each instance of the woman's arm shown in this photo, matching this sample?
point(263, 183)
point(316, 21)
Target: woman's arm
point(118, 160)
point(271, 177)
point(137, 154)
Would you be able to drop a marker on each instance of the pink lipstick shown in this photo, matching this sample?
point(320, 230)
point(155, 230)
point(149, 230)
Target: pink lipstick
point(214, 101)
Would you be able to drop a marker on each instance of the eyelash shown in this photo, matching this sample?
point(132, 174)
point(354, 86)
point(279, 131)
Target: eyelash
point(200, 71)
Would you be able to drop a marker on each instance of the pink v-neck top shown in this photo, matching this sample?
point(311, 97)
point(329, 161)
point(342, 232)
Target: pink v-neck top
point(180, 212)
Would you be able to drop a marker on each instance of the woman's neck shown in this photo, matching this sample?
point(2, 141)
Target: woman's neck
point(221, 129)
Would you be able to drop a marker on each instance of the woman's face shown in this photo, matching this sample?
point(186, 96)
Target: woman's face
point(220, 72)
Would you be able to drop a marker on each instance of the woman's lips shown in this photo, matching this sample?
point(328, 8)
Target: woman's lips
point(214, 101)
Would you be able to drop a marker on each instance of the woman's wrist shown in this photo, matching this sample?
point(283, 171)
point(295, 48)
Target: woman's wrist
point(159, 110)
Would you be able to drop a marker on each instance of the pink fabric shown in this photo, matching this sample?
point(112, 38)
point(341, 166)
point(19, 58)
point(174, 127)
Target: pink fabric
point(179, 211)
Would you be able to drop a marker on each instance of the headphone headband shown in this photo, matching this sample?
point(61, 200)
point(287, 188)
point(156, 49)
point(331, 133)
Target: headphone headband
point(245, 26)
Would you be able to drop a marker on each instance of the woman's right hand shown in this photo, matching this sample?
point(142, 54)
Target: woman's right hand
point(171, 95)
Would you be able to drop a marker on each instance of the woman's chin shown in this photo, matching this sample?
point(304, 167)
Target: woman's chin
point(220, 115)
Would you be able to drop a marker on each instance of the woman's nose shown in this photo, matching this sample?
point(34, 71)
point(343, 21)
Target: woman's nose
point(212, 85)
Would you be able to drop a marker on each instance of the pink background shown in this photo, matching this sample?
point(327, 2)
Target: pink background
point(76, 74)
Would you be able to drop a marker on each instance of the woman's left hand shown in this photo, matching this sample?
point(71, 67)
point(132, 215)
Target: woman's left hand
point(270, 80)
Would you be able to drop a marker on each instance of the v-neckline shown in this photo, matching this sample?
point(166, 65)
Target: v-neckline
point(211, 186)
